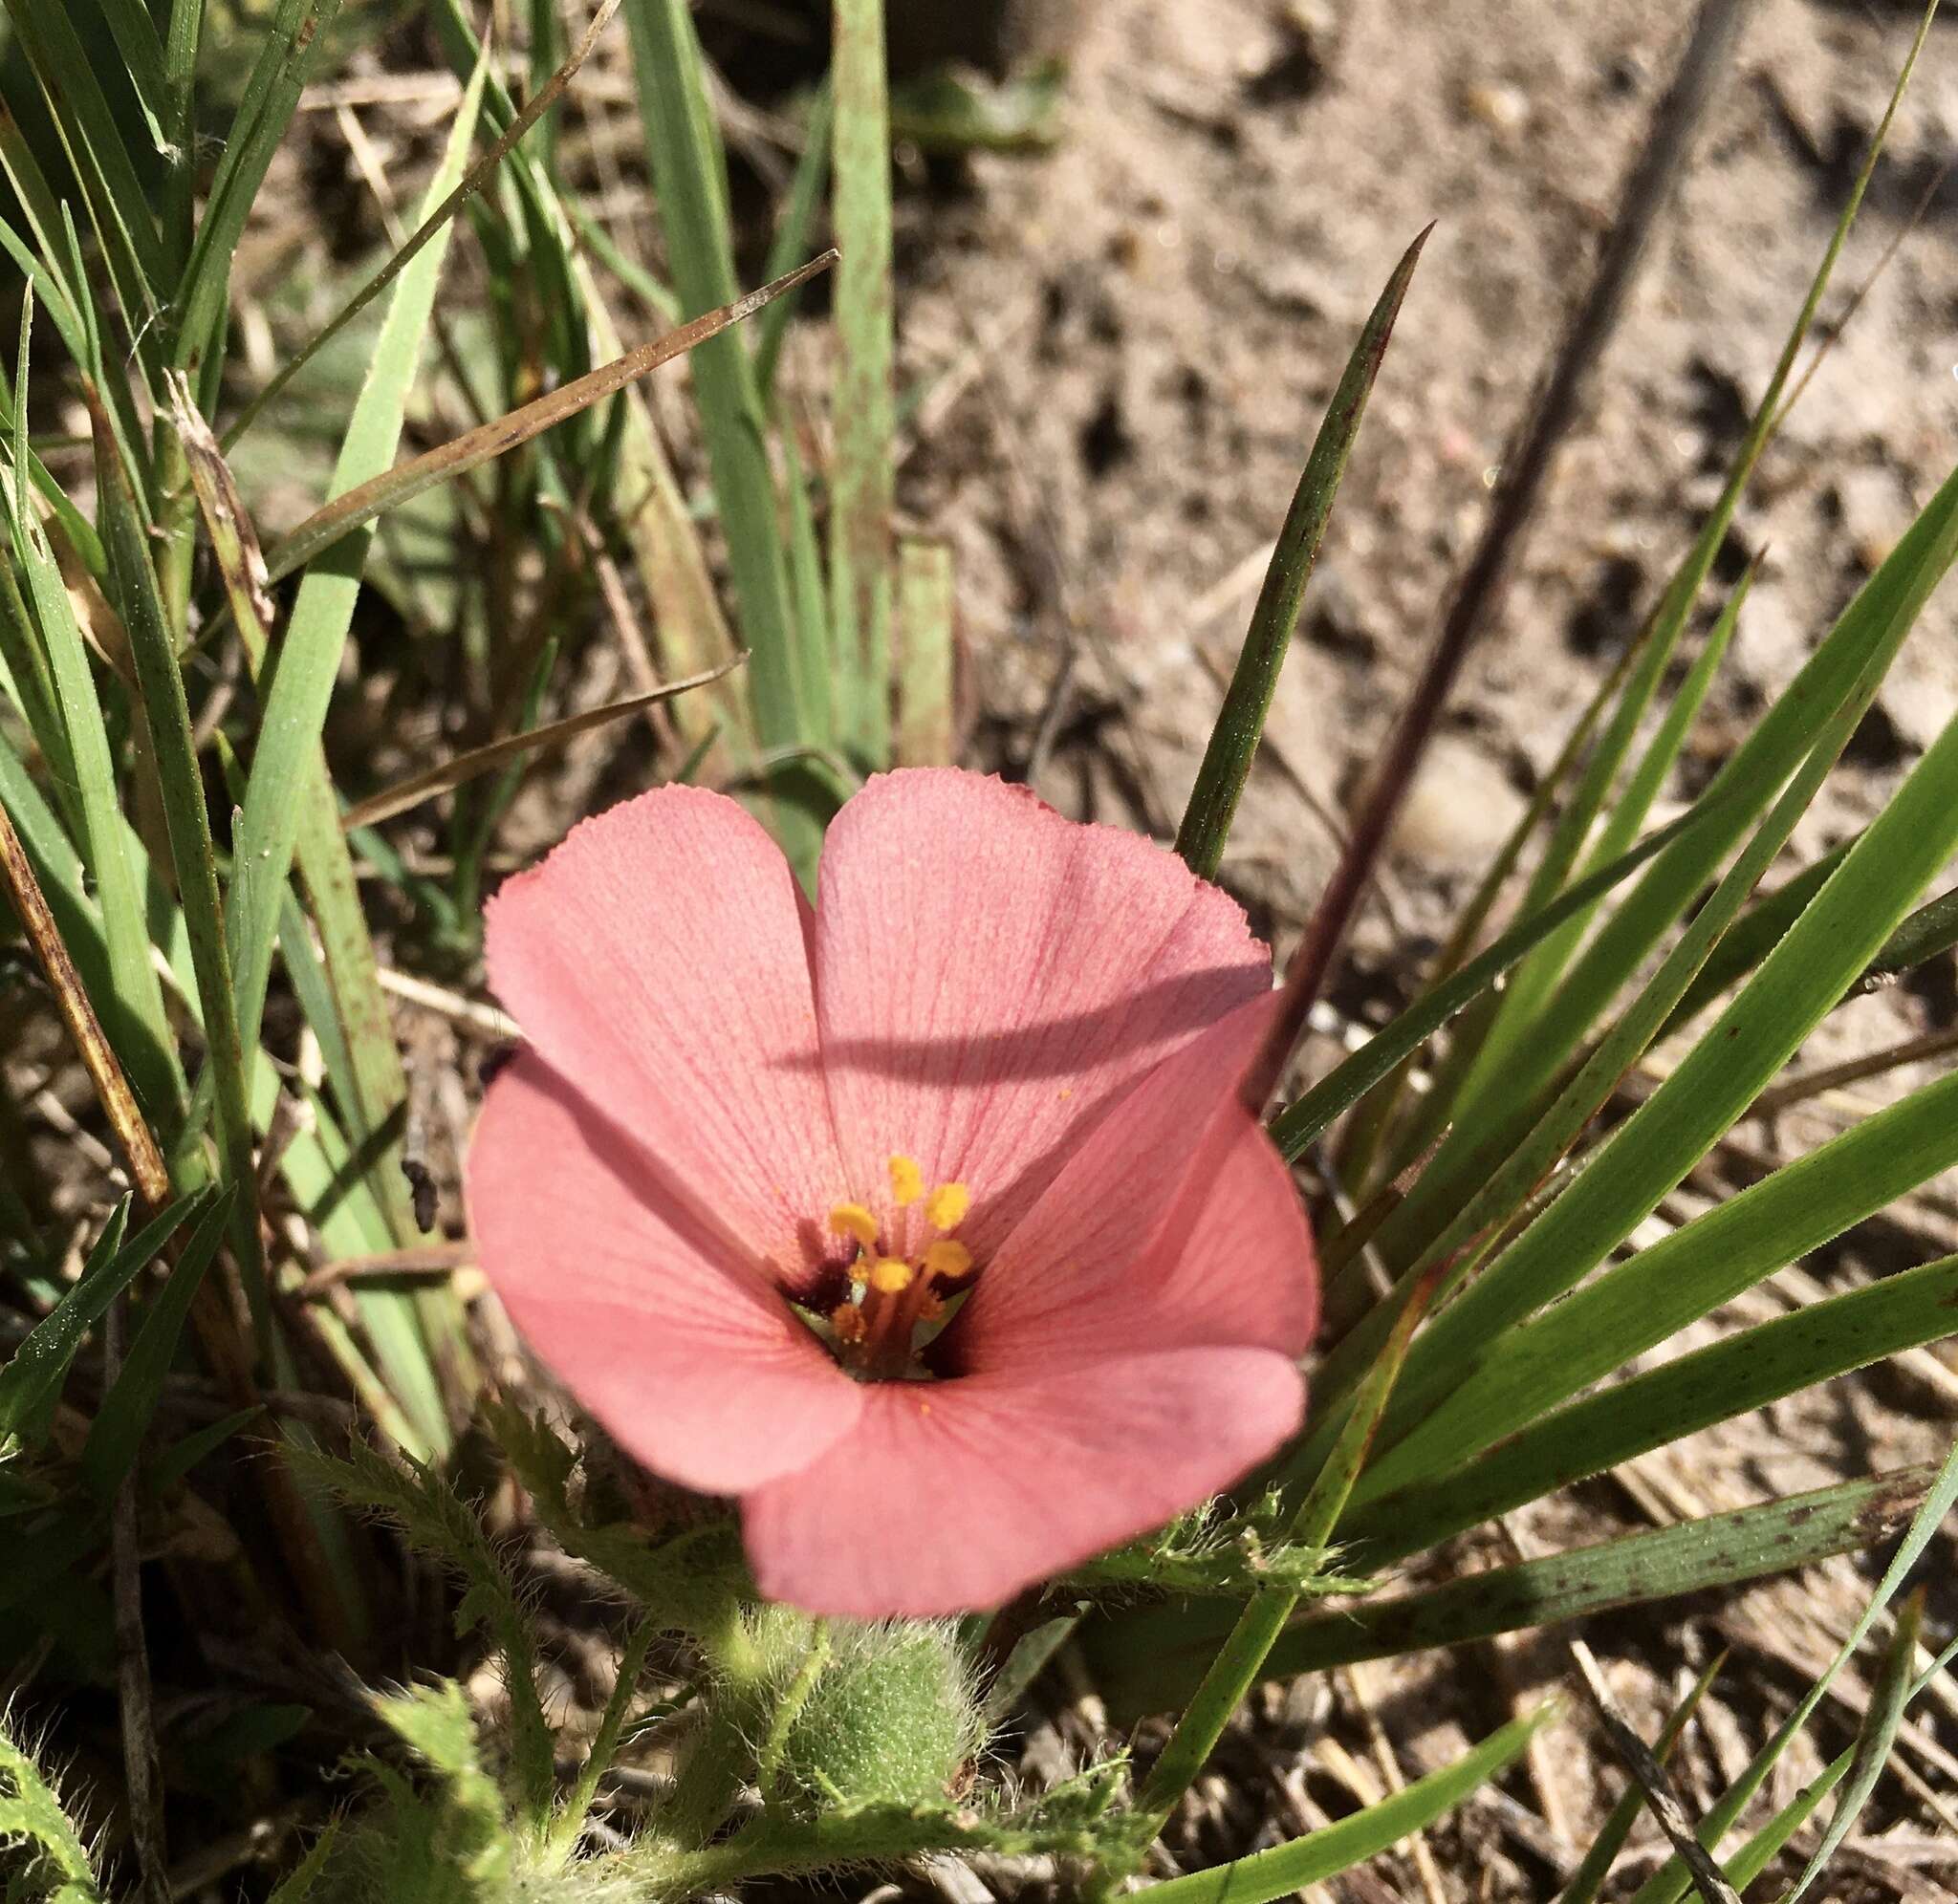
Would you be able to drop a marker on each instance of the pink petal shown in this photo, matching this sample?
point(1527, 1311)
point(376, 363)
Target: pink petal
point(991, 977)
point(659, 960)
point(655, 1321)
point(1175, 1223)
point(953, 1495)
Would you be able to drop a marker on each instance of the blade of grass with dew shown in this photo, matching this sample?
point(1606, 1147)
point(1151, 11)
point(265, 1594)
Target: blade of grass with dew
point(1719, 1382)
point(1795, 987)
point(1873, 1740)
point(1148, 1660)
point(1308, 1117)
point(1241, 721)
point(1668, 1884)
point(167, 715)
point(34, 1375)
point(791, 244)
point(1845, 669)
point(1930, 932)
point(309, 659)
point(1286, 1869)
point(465, 767)
point(691, 186)
point(927, 735)
point(861, 403)
point(116, 1435)
point(1507, 1040)
point(1588, 1879)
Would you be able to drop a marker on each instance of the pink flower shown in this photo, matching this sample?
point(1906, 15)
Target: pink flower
point(929, 1222)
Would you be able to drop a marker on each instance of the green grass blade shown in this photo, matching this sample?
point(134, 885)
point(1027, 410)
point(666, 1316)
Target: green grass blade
point(309, 660)
point(1873, 1739)
point(1669, 1883)
point(187, 819)
point(690, 185)
point(32, 1379)
point(1716, 1383)
point(115, 1435)
point(293, 48)
point(1307, 1117)
point(1147, 1661)
point(862, 402)
point(1927, 933)
point(1483, 1172)
point(927, 730)
point(1286, 1869)
point(134, 32)
point(1241, 721)
point(1525, 997)
point(794, 234)
point(1793, 990)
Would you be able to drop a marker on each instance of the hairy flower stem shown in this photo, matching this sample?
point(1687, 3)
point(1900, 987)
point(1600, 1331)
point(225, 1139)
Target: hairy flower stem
point(723, 1754)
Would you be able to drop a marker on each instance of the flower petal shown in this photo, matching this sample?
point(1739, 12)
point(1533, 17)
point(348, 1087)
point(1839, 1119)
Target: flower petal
point(1176, 1222)
point(991, 977)
point(659, 960)
point(653, 1320)
point(953, 1495)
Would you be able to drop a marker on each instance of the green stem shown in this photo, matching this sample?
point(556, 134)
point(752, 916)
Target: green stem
point(789, 1708)
point(724, 1754)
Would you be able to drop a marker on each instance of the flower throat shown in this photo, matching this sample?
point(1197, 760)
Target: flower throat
point(897, 1304)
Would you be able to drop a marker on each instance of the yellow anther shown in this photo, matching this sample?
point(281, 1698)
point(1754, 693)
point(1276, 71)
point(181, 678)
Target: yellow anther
point(891, 1275)
point(907, 1180)
point(847, 1324)
point(946, 1207)
point(946, 1257)
point(853, 1220)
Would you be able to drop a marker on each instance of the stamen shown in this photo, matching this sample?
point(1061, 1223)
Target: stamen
point(946, 1257)
point(891, 1275)
point(847, 1323)
point(907, 1180)
point(853, 1220)
point(946, 1207)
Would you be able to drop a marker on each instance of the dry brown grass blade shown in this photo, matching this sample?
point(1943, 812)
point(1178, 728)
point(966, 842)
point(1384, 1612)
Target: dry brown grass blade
point(145, 1160)
point(1655, 1781)
point(361, 504)
point(451, 773)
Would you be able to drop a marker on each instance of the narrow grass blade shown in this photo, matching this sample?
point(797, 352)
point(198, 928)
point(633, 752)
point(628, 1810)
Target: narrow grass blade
point(791, 243)
point(1668, 1884)
point(1148, 1660)
point(1479, 1180)
point(1306, 1118)
point(293, 43)
point(1286, 1869)
point(1793, 990)
point(355, 507)
point(925, 736)
point(136, 37)
point(472, 181)
point(451, 773)
point(690, 184)
point(1873, 1741)
point(309, 660)
point(862, 402)
point(1588, 1879)
point(1716, 1383)
point(1241, 721)
point(115, 1435)
point(193, 858)
point(1927, 933)
point(32, 1379)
